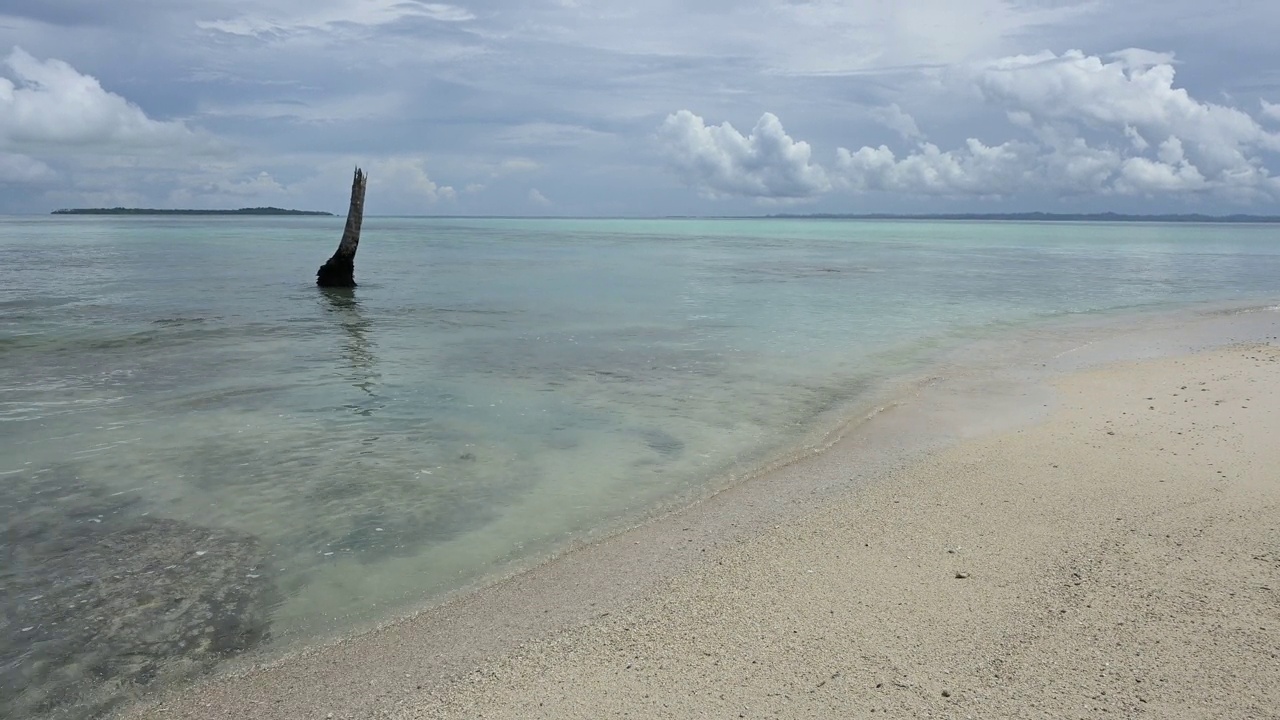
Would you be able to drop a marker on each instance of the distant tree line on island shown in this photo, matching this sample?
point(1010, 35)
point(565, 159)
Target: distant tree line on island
point(152, 211)
point(1042, 217)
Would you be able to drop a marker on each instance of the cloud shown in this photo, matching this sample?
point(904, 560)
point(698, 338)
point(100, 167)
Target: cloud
point(892, 117)
point(794, 37)
point(1270, 110)
point(353, 107)
point(50, 107)
point(24, 170)
point(326, 15)
point(1137, 57)
point(1061, 165)
point(537, 198)
point(1134, 90)
point(976, 169)
point(511, 166)
point(397, 185)
point(229, 188)
point(405, 183)
point(1156, 139)
point(544, 134)
point(260, 185)
point(303, 89)
point(1143, 176)
point(1087, 126)
point(767, 164)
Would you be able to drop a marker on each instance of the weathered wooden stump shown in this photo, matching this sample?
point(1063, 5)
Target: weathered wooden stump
point(340, 270)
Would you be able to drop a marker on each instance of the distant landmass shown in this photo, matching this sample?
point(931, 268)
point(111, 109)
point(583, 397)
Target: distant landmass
point(153, 211)
point(987, 217)
point(1046, 217)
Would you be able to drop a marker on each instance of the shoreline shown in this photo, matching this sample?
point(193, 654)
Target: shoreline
point(960, 363)
point(360, 676)
point(1119, 558)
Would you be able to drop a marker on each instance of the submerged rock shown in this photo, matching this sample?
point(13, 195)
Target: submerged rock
point(98, 607)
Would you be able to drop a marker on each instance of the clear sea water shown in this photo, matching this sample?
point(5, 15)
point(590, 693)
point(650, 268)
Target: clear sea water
point(203, 454)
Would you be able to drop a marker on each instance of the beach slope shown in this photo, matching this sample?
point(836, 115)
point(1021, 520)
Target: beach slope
point(1121, 558)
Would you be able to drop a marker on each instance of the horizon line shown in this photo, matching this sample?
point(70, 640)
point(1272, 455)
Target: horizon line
point(1034, 215)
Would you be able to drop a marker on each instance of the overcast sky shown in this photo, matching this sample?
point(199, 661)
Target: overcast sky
point(660, 107)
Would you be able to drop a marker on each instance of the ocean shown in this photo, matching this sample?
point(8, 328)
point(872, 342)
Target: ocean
point(205, 456)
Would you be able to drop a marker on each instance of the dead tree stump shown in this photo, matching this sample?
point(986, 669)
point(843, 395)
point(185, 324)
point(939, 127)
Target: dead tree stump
point(340, 270)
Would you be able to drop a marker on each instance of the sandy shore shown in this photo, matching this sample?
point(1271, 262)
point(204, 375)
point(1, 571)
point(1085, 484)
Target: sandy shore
point(1120, 557)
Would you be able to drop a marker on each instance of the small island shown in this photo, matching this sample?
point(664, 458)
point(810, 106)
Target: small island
point(153, 211)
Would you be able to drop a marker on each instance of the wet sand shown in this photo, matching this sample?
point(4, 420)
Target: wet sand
point(1120, 555)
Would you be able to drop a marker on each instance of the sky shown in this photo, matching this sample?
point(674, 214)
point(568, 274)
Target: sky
point(626, 108)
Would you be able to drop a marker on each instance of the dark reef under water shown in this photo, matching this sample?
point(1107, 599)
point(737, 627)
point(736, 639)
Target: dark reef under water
point(101, 603)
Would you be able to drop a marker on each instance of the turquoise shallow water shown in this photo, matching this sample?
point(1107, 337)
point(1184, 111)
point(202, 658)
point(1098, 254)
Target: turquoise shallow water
point(203, 454)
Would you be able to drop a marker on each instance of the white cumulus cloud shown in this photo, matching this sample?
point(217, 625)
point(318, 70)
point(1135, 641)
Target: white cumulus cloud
point(48, 106)
point(1082, 125)
point(976, 169)
point(719, 160)
point(1135, 89)
point(1140, 175)
point(1148, 137)
point(405, 179)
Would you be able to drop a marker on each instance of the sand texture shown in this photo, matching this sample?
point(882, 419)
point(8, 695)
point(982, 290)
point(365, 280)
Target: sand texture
point(1120, 558)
